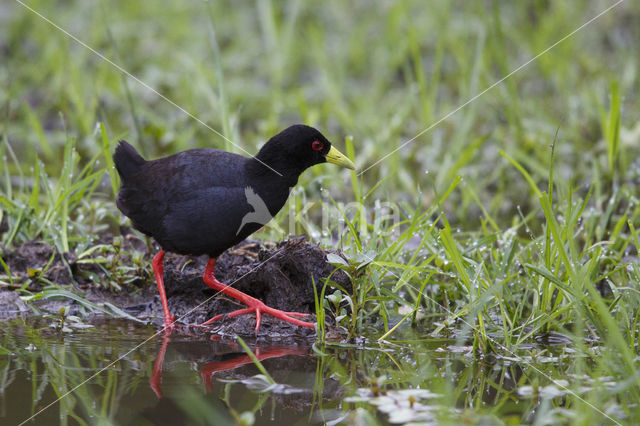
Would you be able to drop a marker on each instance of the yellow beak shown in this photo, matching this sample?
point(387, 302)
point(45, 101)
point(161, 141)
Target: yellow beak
point(336, 157)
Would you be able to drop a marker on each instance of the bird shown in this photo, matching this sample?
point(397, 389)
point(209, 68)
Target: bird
point(203, 201)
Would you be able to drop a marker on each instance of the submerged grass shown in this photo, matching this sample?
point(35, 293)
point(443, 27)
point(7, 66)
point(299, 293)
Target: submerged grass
point(512, 221)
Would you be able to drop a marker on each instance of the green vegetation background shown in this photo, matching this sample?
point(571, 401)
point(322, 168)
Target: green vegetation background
point(519, 212)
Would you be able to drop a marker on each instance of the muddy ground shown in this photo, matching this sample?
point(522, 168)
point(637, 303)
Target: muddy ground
point(281, 275)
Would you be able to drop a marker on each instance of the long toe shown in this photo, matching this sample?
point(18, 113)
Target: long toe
point(298, 314)
point(259, 309)
point(288, 316)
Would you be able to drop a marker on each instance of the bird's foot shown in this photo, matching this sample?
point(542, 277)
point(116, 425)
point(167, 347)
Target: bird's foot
point(259, 308)
point(169, 324)
point(253, 304)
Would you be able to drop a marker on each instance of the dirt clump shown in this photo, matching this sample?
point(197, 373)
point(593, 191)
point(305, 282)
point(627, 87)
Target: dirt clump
point(11, 306)
point(35, 260)
point(281, 275)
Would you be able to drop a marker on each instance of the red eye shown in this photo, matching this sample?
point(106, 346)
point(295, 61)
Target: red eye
point(317, 146)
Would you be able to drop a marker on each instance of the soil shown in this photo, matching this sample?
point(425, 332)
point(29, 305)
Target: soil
point(281, 275)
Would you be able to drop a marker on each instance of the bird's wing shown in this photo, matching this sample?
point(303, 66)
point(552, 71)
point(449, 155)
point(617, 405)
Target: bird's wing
point(210, 218)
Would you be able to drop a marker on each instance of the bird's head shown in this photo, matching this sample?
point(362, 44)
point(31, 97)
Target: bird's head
point(299, 147)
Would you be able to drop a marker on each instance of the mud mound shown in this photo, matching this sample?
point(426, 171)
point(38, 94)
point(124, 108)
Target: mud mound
point(37, 259)
point(11, 306)
point(281, 275)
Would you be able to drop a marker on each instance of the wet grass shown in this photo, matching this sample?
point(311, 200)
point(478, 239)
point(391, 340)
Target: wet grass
point(513, 221)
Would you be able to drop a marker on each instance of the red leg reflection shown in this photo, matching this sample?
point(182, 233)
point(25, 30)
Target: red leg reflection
point(210, 368)
point(156, 376)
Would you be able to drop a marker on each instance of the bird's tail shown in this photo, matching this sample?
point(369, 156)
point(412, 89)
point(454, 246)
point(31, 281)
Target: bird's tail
point(127, 160)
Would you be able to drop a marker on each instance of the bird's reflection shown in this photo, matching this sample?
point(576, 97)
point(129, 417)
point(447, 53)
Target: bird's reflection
point(232, 356)
point(241, 358)
point(156, 376)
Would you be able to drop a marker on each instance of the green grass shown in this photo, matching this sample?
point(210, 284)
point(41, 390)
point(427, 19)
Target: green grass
point(515, 218)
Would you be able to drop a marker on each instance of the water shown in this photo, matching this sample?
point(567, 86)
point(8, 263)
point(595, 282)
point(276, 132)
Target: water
point(139, 379)
point(118, 372)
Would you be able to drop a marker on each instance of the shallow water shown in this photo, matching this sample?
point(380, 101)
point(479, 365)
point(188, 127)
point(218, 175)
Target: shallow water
point(118, 372)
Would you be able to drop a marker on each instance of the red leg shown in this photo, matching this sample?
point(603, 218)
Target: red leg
point(254, 305)
point(158, 272)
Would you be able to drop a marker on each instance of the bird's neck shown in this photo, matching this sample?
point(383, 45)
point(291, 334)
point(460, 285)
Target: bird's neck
point(274, 170)
point(271, 184)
